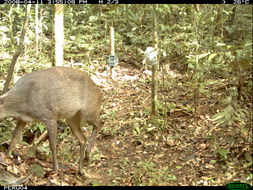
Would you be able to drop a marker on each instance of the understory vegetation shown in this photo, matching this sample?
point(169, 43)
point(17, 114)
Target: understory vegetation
point(202, 132)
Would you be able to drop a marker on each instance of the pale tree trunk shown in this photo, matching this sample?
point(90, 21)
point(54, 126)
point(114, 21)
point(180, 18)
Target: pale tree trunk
point(59, 34)
point(36, 29)
point(19, 49)
point(40, 27)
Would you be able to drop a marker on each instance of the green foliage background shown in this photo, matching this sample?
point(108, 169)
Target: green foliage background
point(214, 42)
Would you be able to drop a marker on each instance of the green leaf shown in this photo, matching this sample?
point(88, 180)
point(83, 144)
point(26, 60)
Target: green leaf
point(220, 44)
point(172, 178)
point(151, 128)
point(31, 152)
point(223, 153)
point(239, 52)
point(171, 106)
point(41, 128)
point(248, 44)
point(163, 28)
point(211, 56)
point(38, 170)
point(219, 118)
point(203, 55)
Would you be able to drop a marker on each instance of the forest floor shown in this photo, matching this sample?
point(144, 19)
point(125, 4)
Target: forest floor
point(179, 147)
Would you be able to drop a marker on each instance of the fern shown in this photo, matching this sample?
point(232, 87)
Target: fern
point(232, 111)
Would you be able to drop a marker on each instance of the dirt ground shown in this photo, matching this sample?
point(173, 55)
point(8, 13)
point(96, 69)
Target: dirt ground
point(180, 147)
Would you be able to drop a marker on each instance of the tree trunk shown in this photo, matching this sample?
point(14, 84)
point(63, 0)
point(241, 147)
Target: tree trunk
point(19, 49)
point(36, 30)
point(154, 81)
point(59, 34)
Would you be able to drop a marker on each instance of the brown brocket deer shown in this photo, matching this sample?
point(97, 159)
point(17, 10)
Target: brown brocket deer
point(51, 94)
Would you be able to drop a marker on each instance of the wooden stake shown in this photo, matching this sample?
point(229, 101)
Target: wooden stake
point(112, 50)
